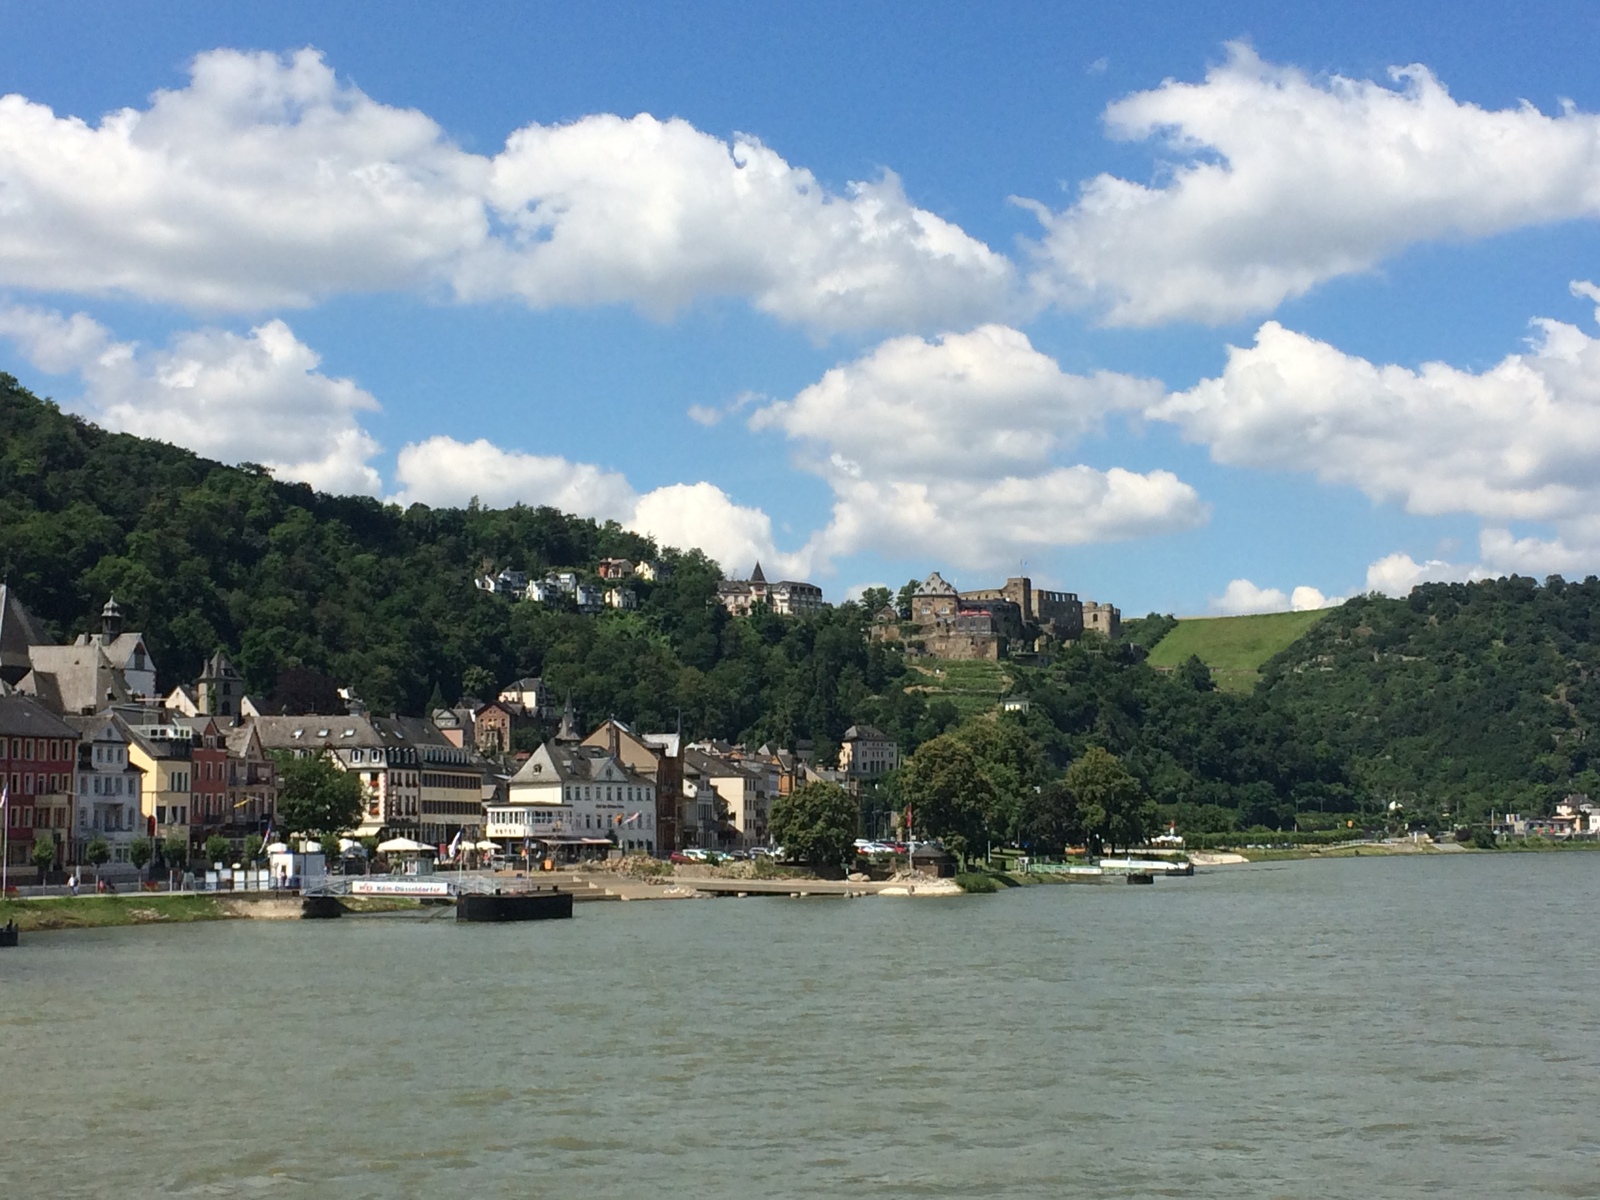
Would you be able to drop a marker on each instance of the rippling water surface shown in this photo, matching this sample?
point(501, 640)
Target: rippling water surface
point(1367, 1027)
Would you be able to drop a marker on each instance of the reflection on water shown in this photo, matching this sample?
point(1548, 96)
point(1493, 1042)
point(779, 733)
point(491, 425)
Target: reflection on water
point(1353, 1028)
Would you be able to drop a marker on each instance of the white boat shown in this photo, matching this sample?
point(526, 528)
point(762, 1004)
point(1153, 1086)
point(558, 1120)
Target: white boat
point(1147, 866)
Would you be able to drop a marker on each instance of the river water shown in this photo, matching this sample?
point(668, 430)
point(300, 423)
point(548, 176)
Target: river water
point(1362, 1027)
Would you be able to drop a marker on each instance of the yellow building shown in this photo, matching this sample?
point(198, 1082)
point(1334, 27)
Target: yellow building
point(163, 753)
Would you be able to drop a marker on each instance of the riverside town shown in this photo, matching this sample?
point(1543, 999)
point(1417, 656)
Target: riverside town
point(805, 601)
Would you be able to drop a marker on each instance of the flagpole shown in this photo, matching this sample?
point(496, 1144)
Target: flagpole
point(5, 838)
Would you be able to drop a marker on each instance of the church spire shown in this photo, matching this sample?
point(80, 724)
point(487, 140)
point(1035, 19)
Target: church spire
point(569, 731)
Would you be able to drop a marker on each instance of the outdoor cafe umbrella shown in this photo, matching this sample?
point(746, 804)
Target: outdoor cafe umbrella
point(402, 845)
point(486, 844)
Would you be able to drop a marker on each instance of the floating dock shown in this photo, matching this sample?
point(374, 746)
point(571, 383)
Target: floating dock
point(514, 906)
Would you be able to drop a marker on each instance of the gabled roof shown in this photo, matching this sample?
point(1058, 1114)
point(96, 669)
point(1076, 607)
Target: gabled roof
point(865, 733)
point(935, 585)
point(18, 631)
point(314, 732)
point(23, 716)
point(756, 576)
point(555, 763)
point(72, 679)
point(119, 650)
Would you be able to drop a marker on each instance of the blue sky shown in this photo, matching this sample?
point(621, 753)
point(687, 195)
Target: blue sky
point(864, 290)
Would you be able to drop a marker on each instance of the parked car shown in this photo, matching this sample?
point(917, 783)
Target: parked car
point(679, 856)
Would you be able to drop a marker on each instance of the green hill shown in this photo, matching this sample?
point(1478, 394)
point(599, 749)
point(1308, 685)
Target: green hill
point(1235, 648)
point(203, 556)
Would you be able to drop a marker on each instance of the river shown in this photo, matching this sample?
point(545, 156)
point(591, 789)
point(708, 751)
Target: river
point(1359, 1027)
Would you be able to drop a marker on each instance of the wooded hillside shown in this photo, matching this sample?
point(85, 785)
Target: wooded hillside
point(1463, 697)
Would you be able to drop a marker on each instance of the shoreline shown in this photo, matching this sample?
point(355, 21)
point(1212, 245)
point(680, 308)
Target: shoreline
point(48, 914)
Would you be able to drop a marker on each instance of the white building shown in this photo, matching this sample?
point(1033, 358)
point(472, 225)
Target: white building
point(384, 759)
point(865, 752)
point(109, 791)
point(583, 798)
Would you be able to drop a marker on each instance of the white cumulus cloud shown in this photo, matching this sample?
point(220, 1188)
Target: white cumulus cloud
point(1242, 596)
point(703, 515)
point(268, 182)
point(951, 448)
point(443, 471)
point(254, 397)
point(1281, 181)
point(1519, 441)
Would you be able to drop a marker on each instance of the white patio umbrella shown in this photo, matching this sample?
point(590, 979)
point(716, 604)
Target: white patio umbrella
point(486, 844)
point(402, 845)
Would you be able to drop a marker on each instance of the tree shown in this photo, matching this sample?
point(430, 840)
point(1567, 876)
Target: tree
point(175, 850)
point(948, 794)
point(1109, 800)
point(316, 798)
point(902, 600)
point(1050, 821)
point(302, 690)
point(874, 600)
point(44, 852)
point(97, 853)
point(816, 823)
point(1010, 760)
point(478, 681)
point(217, 848)
point(252, 848)
point(140, 851)
point(1195, 674)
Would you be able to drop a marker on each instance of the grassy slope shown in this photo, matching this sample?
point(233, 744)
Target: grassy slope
point(973, 687)
point(1233, 647)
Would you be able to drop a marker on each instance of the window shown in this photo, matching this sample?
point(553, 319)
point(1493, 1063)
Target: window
point(27, 748)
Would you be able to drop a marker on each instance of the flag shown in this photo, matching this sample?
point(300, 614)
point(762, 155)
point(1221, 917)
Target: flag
point(455, 844)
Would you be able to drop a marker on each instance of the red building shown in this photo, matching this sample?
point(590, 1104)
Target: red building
point(210, 809)
point(37, 755)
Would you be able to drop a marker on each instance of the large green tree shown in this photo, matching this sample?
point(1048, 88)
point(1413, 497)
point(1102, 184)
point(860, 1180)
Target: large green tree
point(1050, 820)
point(1109, 801)
point(949, 795)
point(316, 798)
point(816, 824)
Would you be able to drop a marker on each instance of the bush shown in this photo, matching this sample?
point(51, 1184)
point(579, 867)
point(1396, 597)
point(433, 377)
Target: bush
point(975, 882)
